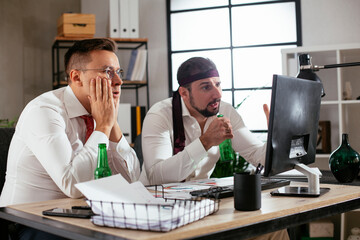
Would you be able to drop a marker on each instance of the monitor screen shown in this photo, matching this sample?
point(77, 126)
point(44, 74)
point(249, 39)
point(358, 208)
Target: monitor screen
point(293, 124)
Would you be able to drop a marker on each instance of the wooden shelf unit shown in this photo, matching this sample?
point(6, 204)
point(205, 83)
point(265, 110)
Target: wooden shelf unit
point(343, 114)
point(123, 44)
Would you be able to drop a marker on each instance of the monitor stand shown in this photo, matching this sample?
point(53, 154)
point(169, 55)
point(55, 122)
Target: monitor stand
point(313, 190)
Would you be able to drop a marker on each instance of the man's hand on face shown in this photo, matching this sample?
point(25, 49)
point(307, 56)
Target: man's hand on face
point(219, 130)
point(116, 133)
point(103, 107)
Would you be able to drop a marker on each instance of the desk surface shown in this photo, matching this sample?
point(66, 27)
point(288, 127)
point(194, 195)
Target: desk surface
point(276, 213)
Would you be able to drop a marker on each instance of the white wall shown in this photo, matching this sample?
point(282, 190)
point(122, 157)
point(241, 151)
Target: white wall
point(326, 22)
point(28, 27)
point(27, 32)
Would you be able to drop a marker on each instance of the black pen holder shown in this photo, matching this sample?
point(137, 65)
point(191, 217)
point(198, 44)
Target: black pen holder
point(247, 191)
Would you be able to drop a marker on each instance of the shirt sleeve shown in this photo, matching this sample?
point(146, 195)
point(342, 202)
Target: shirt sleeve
point(249, 147)
point(46, 137)
point(123, 159)
point(159, 163)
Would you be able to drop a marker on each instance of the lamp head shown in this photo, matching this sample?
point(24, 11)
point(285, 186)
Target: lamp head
point(306, 70)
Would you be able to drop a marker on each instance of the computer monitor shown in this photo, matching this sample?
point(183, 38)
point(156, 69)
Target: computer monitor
point(292, 133)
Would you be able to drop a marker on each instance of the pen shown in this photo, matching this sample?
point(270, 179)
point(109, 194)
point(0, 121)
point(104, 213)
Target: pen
point(259, 168)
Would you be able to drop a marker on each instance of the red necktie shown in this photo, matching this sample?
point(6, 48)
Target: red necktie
point(89, 121)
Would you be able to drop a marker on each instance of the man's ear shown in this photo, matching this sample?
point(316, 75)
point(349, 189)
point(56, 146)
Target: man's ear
point(184, 92)
point(74, 77)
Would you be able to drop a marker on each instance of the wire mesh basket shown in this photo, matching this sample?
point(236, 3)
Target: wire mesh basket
point(167, 215)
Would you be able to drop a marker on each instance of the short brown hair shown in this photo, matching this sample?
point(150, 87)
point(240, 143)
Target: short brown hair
point(79, 53)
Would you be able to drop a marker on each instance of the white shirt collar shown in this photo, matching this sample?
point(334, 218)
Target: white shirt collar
point(185, 110)
point(72, 105)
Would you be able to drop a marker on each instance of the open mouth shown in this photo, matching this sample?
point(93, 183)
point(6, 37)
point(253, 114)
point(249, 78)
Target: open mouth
point(214, 104)
point(116, 94)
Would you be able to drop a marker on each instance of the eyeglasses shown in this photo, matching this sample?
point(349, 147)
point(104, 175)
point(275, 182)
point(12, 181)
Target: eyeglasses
point(110, 72)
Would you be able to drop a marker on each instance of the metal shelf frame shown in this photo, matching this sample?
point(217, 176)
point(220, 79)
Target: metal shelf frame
point(122, 44)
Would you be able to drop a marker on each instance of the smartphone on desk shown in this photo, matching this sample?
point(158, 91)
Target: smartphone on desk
point(64, 212)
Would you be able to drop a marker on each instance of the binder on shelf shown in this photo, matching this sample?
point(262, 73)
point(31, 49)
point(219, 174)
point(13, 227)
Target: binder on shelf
point(114, 27)
point(133, 18)
point(124, 18)
point(132, 60)
point(124, 120)
point(137, 118)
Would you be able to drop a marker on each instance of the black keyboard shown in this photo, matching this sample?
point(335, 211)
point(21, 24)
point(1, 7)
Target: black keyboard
point(227, 191)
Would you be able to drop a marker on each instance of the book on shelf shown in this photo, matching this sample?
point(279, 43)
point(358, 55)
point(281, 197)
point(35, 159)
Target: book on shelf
point(142, 65)
point(133, 57)
point(139, 65)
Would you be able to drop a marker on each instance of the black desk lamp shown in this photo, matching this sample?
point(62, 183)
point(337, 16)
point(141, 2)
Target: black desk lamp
point(342, 174)
point(307, 70)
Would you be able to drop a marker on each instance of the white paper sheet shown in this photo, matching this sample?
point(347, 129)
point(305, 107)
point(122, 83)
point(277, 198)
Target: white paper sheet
point(116, 189)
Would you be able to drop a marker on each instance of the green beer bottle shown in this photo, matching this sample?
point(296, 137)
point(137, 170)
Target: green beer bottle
point(102, 169)
point(226, 150)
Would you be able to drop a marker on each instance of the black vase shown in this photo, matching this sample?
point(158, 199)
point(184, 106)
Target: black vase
point(344, 162)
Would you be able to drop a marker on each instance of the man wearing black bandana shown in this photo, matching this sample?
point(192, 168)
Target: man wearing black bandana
point(181, 135)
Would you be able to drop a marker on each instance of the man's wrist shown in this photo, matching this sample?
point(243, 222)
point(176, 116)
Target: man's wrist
point(205, 142)
point(105, 130)
point(116, 133)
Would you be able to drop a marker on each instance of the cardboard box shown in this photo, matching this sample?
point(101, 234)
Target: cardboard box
point(76, 25)
point(321, 229)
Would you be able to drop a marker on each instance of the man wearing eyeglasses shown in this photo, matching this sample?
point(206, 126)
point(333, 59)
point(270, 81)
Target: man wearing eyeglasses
point(53, 147)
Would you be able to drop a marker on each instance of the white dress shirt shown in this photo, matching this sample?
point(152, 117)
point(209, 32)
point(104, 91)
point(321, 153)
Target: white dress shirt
point(194, 162)
point(47, 155)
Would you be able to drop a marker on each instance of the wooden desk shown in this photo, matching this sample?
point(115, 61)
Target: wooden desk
point(276, 213)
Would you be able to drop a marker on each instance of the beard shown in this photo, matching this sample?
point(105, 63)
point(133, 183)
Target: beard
point(205, 112)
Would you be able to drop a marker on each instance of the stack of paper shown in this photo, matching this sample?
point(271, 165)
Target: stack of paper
point(117, 203)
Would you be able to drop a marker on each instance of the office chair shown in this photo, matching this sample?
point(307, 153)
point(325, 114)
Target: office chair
point(6, 135)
